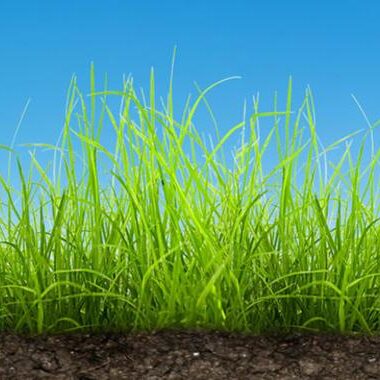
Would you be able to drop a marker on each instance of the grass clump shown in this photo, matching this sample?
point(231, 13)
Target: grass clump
point(173, 236)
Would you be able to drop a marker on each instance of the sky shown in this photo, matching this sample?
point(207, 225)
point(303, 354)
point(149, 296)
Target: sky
point(333, 46)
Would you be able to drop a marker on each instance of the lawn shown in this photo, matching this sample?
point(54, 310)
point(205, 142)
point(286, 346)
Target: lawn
point(159, 229)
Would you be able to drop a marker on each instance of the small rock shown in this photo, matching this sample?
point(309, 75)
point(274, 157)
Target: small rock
point(372, 368)
point(309, 367)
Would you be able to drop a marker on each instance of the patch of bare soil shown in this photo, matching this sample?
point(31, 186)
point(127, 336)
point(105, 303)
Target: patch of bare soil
point(177, 354)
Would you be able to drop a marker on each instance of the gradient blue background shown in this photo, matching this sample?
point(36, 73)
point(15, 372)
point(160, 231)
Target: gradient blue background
point(333, 46)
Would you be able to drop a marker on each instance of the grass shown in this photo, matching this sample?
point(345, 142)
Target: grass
point(173, 236)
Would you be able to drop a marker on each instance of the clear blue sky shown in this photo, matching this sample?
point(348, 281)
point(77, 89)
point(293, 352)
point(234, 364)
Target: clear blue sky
point(331, 45)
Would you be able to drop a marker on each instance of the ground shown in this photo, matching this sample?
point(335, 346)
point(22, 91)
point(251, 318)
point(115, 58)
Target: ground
point(176, 354)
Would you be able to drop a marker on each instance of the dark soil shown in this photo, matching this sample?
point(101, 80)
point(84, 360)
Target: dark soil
point(175, 354)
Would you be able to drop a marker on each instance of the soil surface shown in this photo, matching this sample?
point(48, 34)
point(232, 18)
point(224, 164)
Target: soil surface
point(177, 354)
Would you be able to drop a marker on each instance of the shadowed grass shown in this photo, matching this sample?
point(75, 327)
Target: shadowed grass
point(175, 237)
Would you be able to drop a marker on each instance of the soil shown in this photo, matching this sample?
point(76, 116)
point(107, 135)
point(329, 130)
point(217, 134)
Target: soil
point(178, 354)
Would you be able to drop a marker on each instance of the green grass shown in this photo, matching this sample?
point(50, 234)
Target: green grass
point(176, 237)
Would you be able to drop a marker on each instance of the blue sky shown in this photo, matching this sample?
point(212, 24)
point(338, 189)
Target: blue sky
point(333, 46)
